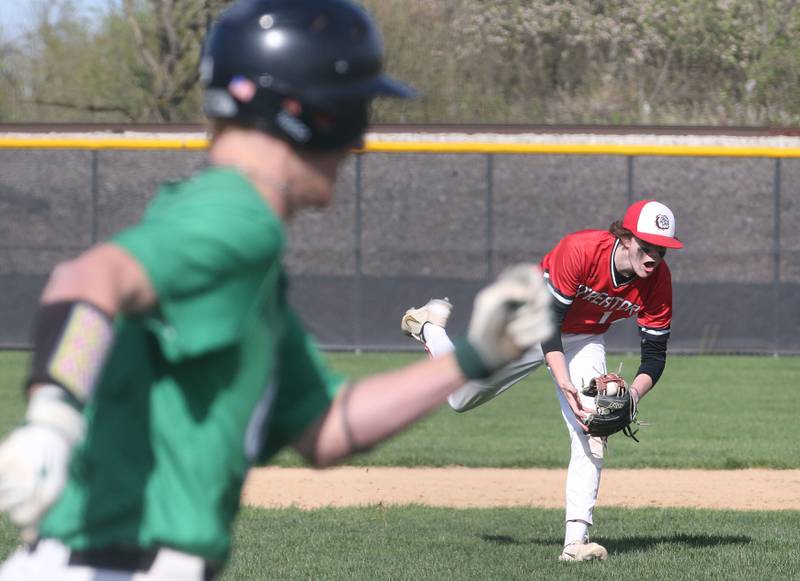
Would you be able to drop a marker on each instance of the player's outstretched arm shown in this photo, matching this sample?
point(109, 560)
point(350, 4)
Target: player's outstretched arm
point(509, 316)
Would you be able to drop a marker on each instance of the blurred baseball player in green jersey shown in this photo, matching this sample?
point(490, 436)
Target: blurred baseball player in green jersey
point(167, 360)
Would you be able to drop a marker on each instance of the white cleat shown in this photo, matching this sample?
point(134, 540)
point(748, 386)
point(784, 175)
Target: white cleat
point(583, 551)
point(435, 311)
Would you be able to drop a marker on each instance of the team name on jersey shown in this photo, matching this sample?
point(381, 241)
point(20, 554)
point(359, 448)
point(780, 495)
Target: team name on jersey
point(606, 301)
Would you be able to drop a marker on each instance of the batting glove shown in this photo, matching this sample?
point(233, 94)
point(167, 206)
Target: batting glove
point(509, 317)
point(34, 458)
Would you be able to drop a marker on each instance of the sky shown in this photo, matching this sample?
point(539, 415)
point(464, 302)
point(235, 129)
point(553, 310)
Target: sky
point(16, 16)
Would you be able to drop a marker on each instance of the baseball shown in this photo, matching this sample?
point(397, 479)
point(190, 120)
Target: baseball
point(612, 387)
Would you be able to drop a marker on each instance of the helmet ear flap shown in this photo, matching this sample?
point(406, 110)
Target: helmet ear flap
point(323, 128)
point(292, 106)
point(289, 120)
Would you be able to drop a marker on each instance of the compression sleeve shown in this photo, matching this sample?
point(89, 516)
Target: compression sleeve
point(654, 355)
point(559, 312)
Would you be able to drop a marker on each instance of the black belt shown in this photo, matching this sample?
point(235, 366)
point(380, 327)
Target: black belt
point(122, 559)
point(132, 559)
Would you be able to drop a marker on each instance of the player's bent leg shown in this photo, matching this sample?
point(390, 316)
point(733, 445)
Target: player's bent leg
point(436, 340)
point(475, 393)
point(427, 325)
point(435, 312)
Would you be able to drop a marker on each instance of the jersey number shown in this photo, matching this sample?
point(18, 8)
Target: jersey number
point(605, 317)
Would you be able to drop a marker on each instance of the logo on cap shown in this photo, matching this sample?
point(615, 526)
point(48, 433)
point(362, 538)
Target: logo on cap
point(662, 222)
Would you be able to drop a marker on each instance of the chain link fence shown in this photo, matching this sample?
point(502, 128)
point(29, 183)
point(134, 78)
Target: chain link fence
point(407, 226)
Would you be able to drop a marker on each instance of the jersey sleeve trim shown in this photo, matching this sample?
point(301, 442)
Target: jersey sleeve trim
point(556, 295)
point(651, 332)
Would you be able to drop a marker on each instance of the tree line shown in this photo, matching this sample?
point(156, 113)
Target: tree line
point(687, 62)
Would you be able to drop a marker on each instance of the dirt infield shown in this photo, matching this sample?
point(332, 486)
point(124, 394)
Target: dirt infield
point(486, 487)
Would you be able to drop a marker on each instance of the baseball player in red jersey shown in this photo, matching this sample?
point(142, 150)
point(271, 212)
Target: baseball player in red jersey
point(596, 278)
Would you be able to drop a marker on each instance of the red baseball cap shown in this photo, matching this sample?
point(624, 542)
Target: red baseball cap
point(652, 222)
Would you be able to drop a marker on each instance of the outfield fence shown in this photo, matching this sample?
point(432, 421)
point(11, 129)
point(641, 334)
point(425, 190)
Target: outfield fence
point(416, 218)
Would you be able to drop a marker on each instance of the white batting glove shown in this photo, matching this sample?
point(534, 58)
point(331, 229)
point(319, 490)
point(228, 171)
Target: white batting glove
point(34, 458)
point(532, 323)
point(510, 316)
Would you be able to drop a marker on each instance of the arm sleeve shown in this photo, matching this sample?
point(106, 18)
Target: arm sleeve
point(654, 356)
point(559, 311)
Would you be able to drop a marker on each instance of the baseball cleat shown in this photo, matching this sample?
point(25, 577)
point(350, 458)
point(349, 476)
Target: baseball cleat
point(583, 551)
point(435, 311)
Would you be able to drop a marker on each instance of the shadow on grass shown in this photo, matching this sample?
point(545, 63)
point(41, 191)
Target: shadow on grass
point(632, 544)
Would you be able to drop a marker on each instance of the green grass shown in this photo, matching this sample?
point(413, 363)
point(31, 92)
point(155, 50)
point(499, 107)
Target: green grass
point(423, 543)
point(710, 412)
point(13, 366)
point(419, 543)
point(706, 412)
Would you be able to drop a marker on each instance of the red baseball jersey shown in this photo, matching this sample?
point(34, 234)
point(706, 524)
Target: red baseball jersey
point(580, 274)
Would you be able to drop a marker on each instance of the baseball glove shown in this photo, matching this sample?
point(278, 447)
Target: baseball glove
point(616, 408)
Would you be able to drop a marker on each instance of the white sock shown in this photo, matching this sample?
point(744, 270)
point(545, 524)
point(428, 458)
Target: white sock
point(436, 340)
point(577, 530)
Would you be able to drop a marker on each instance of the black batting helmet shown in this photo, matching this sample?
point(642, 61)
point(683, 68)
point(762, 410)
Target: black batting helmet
point(263, 57)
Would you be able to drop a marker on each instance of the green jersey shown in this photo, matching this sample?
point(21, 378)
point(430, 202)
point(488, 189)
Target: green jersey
point(218, 376)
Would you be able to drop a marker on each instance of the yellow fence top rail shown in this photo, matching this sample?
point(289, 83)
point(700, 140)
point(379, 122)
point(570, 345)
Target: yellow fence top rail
point(376, 145)
point(581, 149)
point(48, 142)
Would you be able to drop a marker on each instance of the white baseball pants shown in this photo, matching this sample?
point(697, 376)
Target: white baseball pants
point(49, 561)
point(586, 358)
